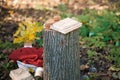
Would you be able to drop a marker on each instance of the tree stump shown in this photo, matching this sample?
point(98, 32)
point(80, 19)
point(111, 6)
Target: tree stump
point(61, 55)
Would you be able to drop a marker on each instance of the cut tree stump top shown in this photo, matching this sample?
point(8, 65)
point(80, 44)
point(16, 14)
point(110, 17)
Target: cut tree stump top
point(66, 25)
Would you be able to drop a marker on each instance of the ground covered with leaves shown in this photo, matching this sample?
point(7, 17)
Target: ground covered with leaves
point(99, 36)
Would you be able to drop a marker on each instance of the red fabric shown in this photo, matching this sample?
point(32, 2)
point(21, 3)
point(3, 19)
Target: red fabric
point(28, 55)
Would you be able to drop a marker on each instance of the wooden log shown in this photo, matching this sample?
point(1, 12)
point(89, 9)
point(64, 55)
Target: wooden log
point(61, 55)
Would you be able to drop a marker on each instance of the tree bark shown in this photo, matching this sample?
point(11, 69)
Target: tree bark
point(61, 55)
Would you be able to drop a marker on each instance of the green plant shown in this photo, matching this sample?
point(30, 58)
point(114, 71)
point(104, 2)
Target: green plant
point(62, 7)
point(91, 53)
point(5, 45)
point(115, 56)
point(101, 24)
point(8, 66)
point(97, 42)
point(8, 45)
point(65, 15)
point(94, 42)
point(2, 56)
point(39, 40)
point(100, 30)
point(93, 76)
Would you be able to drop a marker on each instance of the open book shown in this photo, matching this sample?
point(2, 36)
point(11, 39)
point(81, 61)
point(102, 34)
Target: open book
point(66, 25)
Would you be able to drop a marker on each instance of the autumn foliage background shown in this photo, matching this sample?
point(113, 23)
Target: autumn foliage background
point(99, 35)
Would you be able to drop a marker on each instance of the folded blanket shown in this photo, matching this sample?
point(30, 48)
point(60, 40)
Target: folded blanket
point(28, 55)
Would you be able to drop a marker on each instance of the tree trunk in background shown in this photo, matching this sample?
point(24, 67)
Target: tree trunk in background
point(61, 55)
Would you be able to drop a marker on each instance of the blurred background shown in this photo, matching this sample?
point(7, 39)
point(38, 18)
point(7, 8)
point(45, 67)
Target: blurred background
point(99, 34)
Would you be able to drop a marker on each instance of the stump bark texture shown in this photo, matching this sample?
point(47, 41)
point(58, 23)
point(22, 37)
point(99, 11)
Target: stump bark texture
point(61, 55)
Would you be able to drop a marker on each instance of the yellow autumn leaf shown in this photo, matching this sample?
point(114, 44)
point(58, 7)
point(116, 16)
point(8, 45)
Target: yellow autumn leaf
point(17, 33)
point(20, 25)
point(18, 40)
point(31, 37)
point(27, 31)
point(113, 68)
point(11, 12)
